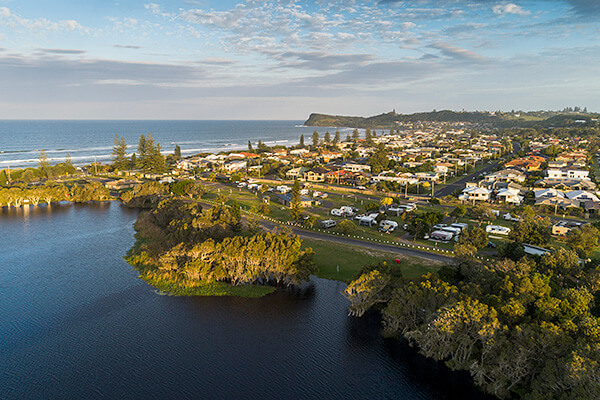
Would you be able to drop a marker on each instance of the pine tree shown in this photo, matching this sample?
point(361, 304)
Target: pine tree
point(327, 139)
point(355, 135)
point(157, 160)
point(301, 145)
point(177, 152)
point(368, 138)
point(141, 150)
point(249, 145)
point(315, 139)
point(336, 139)
point(68, 161)
point(119, 153)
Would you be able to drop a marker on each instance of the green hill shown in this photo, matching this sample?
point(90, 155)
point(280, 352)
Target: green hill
point(498, 119)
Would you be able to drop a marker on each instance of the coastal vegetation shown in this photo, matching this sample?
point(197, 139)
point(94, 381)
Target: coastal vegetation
point(528, 329)
point(182, 248)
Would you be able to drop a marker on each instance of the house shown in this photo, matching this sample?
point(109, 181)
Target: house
point(567, 173)
point(506, 175)
point(511, 196)
point(531, 163)
point(296, 173)
point(234, 166)
point(581, 195)
point(475, 193)
point(557, 202)
point(547, 193)
point(317, 174)
point(354, 167)
point(561, 228)
point(567, 184)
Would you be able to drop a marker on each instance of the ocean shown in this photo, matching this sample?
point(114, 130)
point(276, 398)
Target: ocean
point(86, 141)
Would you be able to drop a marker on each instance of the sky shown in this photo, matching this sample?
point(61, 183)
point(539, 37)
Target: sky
point(285, 59)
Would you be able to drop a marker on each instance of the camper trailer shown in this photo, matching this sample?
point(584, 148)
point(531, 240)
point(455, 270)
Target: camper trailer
point(498, 230)
point(329, 223)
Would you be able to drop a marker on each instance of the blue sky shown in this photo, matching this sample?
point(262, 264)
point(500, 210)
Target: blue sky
point(284, 59)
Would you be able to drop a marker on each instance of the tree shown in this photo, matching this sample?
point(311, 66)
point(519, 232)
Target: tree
point(459, 211)
point(249, 145)
point(366, 291)
point(368, 137)
point(327, 138)
point(336, 139)
point(315, 139)
point(296, 205)
point(379, 160)
point(531, 230)
point(301, 145)
point(119, 152)
point(177, 152)
point(584, 240)
point(355, 135)
point(44, 163)
point(346, 227)
point(481, 212)
point(474, 236)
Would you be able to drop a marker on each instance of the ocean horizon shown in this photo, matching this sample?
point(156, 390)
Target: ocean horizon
point(87, 141)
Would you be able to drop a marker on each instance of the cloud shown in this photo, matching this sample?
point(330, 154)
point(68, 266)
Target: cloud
point(509, 8)
point(13, 20)
point(319, 60)
point(62, 51)
point(457, 53)
point(127, 46)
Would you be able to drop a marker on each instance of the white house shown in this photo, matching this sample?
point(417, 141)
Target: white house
point(547, 193)
point(567, 173)
point(581, 196)
point(509, 196)
point(475, 194)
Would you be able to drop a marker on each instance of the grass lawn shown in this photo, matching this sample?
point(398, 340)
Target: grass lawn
point(350, 259)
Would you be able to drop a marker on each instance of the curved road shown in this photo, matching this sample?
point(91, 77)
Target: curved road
point(360, 243)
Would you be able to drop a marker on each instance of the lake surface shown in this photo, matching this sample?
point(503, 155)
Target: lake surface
point(77, 323)
point(86, 141)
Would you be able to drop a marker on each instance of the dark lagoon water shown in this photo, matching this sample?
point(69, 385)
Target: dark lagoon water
point(77, 323)
point(86, 141)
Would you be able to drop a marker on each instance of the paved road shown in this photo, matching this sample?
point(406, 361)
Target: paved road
point(360, 243)
point(460, 184)
point(270, 226)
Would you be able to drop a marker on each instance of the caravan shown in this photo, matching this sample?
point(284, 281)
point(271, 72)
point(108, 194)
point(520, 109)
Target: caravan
point(442, 236)
point(496, 229)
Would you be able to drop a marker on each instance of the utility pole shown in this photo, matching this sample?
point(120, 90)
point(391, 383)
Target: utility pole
point(95, 167)
point(8, 166)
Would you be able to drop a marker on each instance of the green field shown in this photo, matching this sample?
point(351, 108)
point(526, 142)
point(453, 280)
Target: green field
point(350, 259)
